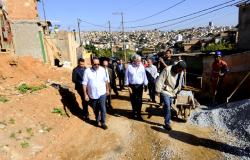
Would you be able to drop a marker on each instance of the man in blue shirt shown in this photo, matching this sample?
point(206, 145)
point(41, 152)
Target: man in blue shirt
point(135, 78)
point(96, 81)
point(120, 71)
point(77, 78)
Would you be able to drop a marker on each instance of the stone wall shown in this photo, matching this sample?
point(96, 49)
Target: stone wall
point(244, 27)
point(26, 38)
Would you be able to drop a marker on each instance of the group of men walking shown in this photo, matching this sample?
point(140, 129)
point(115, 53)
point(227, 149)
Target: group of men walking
point(94, 85)
point(165, 80)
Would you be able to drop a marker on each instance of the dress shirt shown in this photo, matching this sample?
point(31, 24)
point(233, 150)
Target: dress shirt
point(176, 62)
point(152, 72)
point(121, 67)
point(107, 74)
point(135, 75)
point(95, 81)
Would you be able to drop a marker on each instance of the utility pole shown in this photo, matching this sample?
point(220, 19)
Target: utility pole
point(124, 47)
point(47, 28)
point(68, 28)
point(111, 41)
point(78, 20)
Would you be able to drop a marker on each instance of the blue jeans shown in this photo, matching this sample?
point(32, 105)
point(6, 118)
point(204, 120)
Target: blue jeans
point(167, 111)
point(151, 89)
point(100, 105)
point(136, 98)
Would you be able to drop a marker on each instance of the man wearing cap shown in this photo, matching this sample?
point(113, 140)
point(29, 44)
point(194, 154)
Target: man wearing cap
point(167, 86)
point(219, 70)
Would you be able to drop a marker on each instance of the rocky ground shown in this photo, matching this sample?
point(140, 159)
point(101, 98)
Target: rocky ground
point(27, 121)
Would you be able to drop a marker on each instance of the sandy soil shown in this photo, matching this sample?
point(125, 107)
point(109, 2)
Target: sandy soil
point(71, 137)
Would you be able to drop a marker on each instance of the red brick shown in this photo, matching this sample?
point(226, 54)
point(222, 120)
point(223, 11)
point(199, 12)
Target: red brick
point(32, 15)
point(24, 8)
point(33, 4)
point(10, 11)
point(16, 0)
point(22, 11)
point(10, 8)
point(23, 0)
point(31, 8)
point(17, 19)
point(8, 3)
point(21, 4)
point(14, 15)
point(15, 4)
point(16, 11)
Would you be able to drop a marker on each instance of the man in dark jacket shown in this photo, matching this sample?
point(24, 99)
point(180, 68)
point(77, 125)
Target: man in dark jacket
point(77, 78)
point(120, 71)
point(111, 66)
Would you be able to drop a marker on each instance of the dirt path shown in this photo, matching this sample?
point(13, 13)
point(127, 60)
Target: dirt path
point(128, 138)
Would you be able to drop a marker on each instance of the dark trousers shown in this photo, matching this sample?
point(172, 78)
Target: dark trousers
point(136, 98)
point(151, 89)
point(84, 103)
point(114, 86)
point(121, 80)
point(99, 105)
point(219, 98)
point(109, 98)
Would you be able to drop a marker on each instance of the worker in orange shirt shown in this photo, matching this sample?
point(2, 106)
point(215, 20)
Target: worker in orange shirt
point(219, 70)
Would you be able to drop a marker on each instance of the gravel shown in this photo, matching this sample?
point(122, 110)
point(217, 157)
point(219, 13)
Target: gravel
point(234, 119)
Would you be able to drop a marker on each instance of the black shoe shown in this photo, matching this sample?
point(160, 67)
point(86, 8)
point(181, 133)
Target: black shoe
point(139, 118)
point(86, 117)
point(154, 101)
point(117, 94)
point(96, 123)
point(110, 107)
point(167, 127)
point(104, 126)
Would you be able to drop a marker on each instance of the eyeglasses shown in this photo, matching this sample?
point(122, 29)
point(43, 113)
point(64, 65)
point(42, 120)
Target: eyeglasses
point(96, 64)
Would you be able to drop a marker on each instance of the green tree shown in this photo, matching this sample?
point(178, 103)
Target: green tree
point(163, 46)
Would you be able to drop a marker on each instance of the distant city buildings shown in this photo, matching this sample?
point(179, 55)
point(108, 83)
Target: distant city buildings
point(138, 39)
point(211, 24)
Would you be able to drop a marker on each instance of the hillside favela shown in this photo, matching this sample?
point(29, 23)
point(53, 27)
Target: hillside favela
point(125, 80)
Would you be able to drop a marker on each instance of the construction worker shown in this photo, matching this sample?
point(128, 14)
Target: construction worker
point(219, 70)
point(167, 86)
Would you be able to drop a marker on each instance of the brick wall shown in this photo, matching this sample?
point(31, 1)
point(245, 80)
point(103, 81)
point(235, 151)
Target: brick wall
point(22, 9)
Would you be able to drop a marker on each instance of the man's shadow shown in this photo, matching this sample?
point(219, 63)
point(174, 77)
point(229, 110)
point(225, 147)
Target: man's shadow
point(69, 103)
point(196, 141)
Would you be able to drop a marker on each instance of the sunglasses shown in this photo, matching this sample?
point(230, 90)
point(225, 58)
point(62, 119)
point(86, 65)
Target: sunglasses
point(96, 64)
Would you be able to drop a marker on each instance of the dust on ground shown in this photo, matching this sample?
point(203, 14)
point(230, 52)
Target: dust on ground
point(71, 137)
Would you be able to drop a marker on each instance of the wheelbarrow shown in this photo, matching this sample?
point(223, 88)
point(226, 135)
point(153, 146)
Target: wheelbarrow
point(184, 104)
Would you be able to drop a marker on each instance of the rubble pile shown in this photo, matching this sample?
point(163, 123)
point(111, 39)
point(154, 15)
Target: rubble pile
point(234, 119)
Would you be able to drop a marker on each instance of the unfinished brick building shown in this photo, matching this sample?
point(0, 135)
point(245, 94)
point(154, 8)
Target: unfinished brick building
point(25, 26)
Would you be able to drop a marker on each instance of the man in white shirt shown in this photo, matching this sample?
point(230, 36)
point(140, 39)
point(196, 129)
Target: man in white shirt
point(135, 78)
point(96, 81)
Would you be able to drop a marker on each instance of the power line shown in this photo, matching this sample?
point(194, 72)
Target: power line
point(156, 13)
point(133, 5)
point(185, 16)
point(196, 16)
point(205, 18)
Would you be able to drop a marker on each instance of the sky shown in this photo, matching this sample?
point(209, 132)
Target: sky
point(95, 14)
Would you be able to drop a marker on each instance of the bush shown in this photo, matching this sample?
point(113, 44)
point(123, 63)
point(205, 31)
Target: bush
point(24, 88)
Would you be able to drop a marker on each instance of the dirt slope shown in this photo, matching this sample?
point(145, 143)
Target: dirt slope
point(71, 137)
